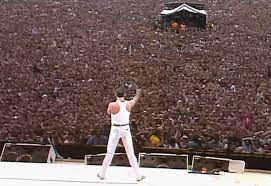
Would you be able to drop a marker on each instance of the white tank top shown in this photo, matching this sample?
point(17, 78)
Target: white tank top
point(123, 116)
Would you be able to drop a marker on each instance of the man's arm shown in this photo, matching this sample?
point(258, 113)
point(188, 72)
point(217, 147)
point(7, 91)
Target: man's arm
point(109, 109)
point(132, 103)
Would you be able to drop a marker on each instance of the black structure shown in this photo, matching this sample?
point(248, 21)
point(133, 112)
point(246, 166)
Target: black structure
point(21, 152)
point(161, 160)
point(253, 160)
point(210, 165)
point(119, 159)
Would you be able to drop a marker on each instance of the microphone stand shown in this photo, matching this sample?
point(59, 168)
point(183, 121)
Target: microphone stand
point(51, 141)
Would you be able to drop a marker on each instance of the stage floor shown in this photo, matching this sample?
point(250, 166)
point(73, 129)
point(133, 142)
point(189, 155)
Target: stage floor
point(79, 174)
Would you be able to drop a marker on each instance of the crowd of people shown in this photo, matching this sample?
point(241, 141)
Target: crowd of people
point(62, 60)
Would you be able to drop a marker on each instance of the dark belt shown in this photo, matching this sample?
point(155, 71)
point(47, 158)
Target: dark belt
point(119, 125)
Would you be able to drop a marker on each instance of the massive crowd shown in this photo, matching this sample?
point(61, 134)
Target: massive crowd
point(61, 60)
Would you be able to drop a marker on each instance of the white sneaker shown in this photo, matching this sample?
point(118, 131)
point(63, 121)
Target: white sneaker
point(101, 178)
point(142, 178)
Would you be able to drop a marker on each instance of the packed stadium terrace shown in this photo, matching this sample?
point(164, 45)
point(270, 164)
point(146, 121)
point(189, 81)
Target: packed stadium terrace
point(62, 60)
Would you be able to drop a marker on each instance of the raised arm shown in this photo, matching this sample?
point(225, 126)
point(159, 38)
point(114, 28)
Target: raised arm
point(132, 103)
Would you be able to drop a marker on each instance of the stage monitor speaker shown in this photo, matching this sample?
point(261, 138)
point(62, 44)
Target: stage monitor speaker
point(119, 159)
point(161, 160)
point(237, 166)
point(210, 164)
point(23, 152)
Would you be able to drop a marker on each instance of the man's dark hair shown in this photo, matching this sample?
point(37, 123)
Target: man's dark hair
point(120, 92)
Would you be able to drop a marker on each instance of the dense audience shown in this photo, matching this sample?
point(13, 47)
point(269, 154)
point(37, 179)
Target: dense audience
point(62, 60)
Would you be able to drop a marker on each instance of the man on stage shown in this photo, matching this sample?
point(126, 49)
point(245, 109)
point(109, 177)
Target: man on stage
point(120, 128)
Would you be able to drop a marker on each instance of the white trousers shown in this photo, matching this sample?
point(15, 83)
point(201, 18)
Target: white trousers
point(124, 133)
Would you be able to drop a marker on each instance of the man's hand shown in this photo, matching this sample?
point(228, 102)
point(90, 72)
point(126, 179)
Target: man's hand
point(132, 103)
point(138, 91)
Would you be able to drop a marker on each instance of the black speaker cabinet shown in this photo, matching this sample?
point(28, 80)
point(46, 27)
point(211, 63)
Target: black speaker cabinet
point(119, 159)
point(210, 164)
point(160, 160)
point(21, 152)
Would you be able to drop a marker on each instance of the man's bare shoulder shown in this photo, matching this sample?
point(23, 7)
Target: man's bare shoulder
point(131, 102)
point(112, 103)
point(113, 107)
